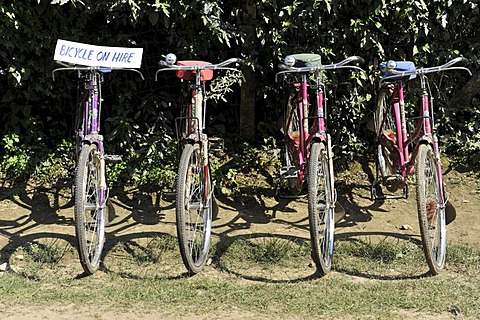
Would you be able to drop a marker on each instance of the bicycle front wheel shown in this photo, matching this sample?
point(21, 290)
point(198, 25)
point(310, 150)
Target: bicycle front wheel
point(431, 209)
point(194, 209)
point(320, 211)
point(89, 216)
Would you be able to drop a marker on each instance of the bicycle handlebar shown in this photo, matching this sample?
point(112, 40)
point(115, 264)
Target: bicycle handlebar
point(90, 68)
point(344, 64)
point(218, 66)
point(421, 71)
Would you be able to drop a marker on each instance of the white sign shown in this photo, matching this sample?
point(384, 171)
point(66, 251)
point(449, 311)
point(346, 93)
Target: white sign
point(97, 56)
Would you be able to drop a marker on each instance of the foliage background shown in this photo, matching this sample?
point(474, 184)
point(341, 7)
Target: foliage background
point(37, 112)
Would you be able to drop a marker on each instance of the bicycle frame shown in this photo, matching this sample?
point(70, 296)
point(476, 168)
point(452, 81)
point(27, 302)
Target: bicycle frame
point(300, 100)
point(87, 120)
point(195, 113)
point(90, 130)
point(194, 191)
point(425, 129)
point(405, 147)
point(317, 131)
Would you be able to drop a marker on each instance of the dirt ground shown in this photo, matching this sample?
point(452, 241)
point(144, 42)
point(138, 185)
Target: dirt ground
point(49, 213)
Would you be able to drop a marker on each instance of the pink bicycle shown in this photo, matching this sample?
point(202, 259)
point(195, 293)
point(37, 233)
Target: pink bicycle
point(399, 155)
point(308, 150)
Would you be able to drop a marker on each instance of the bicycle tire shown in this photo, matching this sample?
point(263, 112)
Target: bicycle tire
point(384, 162)
point(194, 209)
point(321, 215)
point(89, 216)
point(431, 209)
point(291, 159)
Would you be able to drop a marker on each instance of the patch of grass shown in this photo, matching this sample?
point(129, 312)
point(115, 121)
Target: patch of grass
point(266, 251)
point(378, 258)
point(140, 253)
point(147, 278)
point(464, 257)
point(154, 251)
point(42, 257)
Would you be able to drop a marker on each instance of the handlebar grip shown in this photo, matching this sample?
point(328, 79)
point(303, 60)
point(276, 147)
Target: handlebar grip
point(359, 59)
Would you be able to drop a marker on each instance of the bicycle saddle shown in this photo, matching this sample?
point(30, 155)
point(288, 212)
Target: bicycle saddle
point(401, 66)
point(306, 60)
point(190, 74)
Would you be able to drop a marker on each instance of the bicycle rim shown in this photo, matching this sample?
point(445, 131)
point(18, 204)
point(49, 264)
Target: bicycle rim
point(292, 143)
point(387, 128)
point(431, 210)
point(194, 209)
point(320, 212)
point(89, 217)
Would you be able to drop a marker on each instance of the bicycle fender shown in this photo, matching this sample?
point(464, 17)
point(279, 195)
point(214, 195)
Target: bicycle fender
point(317, 137)
point(426, 139)
point(92, 138)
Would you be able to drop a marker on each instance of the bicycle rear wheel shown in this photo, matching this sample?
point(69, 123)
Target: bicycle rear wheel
point(384, 127)
point(320, 212)
point(194, 209)
point(431, 209)
point(291, 161)
point(89, 216)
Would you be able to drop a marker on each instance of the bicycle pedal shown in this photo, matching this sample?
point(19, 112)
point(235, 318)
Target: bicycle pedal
point(288, 172)
point(393, 182)
point(376, 192)
point(215, 144)
point(64, 183)
point(112, 158)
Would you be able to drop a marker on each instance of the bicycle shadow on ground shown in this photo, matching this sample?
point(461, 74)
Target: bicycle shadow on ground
point(367, 238)
point(37, 238)
point(355, 197)
point(145, 207)
point(253, 272)
point(256, 207)
point(33, 229)
point(248, 217)
point(142, 255)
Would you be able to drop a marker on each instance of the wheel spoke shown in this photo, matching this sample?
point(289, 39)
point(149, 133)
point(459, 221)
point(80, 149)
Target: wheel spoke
point(90, 228)
point(320, 210)
point(431, 209)
point(193, 209)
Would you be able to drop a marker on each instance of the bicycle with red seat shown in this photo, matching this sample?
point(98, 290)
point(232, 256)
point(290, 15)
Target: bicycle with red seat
point(400, 155)
point(92, 209)
point(308, 155)
point(194, 191)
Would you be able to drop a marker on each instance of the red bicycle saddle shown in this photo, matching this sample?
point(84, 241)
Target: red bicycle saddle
point(205, 75)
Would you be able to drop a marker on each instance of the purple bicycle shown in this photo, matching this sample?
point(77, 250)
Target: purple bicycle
point(399, 155)
point(92, 209)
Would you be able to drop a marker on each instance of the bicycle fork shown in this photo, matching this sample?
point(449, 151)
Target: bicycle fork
point(333, 193)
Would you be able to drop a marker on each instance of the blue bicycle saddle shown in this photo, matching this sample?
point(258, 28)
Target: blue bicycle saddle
point(402, 66)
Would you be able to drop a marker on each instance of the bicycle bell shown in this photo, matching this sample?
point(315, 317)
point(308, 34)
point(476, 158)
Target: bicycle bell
point(391, 65)
point(171, 58)
point(289, 61)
